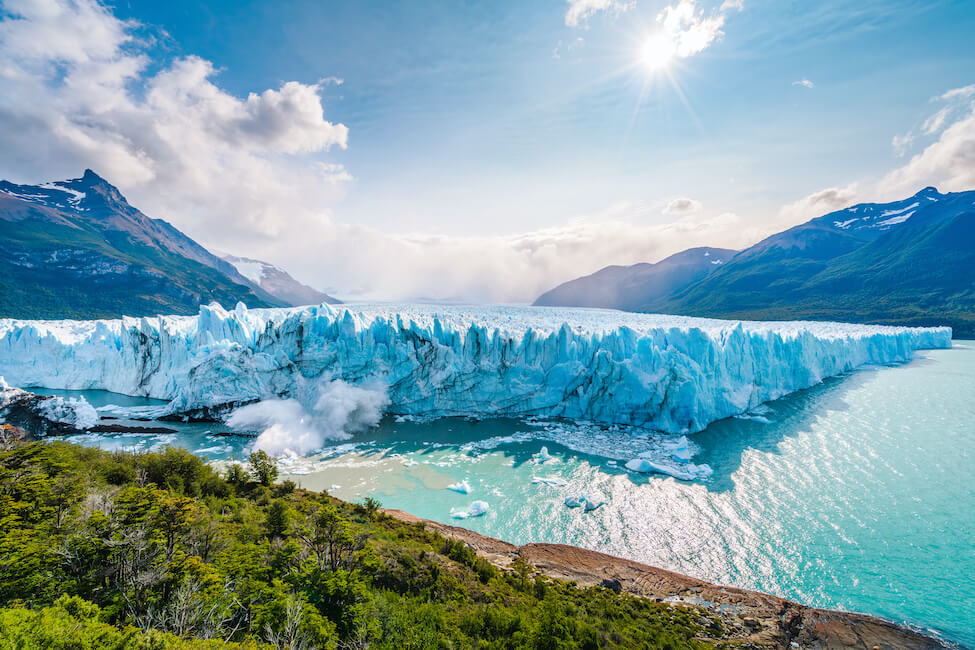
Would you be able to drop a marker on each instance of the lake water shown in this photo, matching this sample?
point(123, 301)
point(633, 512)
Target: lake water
point(857, 494)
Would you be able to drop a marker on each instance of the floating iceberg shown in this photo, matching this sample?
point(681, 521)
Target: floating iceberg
point(682, 450)
point(549, 480)
point(543, 456)
point(584, 501)
point(477, 509)
point(463, 487)
point(591, 504)
point(682, 470)
point(667, 373)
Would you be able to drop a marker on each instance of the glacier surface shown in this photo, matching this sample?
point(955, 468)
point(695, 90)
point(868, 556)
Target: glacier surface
point(667, 373)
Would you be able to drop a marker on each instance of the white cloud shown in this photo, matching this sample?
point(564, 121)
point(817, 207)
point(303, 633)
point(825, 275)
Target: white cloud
point(819, 203)
point(505, 268)
point(580, 11)
point(935, 122)
point(728, 5)
point(804, 82)
point(902, 143)
point(572, 46)
point(681, 205)
point(959, 93)
point(949, 161)
point(689, 29)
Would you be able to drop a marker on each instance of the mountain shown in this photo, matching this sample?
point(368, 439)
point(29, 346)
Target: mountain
point(77, 249)
point(278, 282)
point(623, 287)
point(909, 262)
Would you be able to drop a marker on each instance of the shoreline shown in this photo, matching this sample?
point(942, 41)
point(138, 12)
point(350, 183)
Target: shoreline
point(750, 617)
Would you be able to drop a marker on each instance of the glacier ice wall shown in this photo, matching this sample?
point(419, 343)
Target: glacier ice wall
point(669, 373)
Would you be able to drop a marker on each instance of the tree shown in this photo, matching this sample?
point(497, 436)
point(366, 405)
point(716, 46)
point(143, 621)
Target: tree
point(263, 467)
point(278, 519)
point(236, 475)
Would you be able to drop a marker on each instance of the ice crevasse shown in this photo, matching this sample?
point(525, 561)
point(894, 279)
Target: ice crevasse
point(668, 373)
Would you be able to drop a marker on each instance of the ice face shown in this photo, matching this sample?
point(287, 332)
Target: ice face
point(668, 373)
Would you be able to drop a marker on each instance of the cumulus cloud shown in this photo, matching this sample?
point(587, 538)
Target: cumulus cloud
point(949, 161)
point(580, 11)
point(805, 83)
point(820, 203)
point(77, 90)
point(682, 206)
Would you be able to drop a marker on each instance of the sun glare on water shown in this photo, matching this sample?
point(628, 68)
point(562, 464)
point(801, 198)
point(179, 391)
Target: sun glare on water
point(658, 51)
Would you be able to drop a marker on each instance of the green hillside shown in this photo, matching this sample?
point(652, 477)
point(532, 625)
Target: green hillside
point(102, 550)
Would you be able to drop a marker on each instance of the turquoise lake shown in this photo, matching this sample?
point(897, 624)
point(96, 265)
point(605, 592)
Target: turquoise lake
point(856, 494)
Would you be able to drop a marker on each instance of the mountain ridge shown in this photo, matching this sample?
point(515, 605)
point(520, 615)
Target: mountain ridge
point(77, 248)
point(616, 286)
point(907, 262)
point(277, 282)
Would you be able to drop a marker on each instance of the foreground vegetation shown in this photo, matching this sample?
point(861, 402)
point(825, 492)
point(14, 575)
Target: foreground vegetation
point(101, 550)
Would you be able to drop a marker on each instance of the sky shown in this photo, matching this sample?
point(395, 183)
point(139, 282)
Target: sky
point(487, 151)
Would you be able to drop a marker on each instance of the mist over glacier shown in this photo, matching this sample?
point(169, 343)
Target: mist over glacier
point(302, 376)
point(290, 428)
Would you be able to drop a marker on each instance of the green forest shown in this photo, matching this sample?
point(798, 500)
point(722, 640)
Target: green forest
point(159, 550)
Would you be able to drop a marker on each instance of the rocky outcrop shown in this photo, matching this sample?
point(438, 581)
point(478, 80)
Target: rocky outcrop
point(11, 435)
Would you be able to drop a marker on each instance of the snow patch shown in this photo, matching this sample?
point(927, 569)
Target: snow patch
point(253, 271)
point(893, 221)
point(890, 213)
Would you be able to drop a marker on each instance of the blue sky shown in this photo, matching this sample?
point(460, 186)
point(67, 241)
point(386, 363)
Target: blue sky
point(499, 129)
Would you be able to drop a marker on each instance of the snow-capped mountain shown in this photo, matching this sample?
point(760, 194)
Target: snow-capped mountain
point(908, 262)
point(277, 282)
point(877, 218)
point(76, 248)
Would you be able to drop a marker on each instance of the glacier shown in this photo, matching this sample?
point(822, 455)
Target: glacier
point(666, 373)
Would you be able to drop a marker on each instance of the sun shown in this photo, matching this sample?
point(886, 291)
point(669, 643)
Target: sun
point(658, 51)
